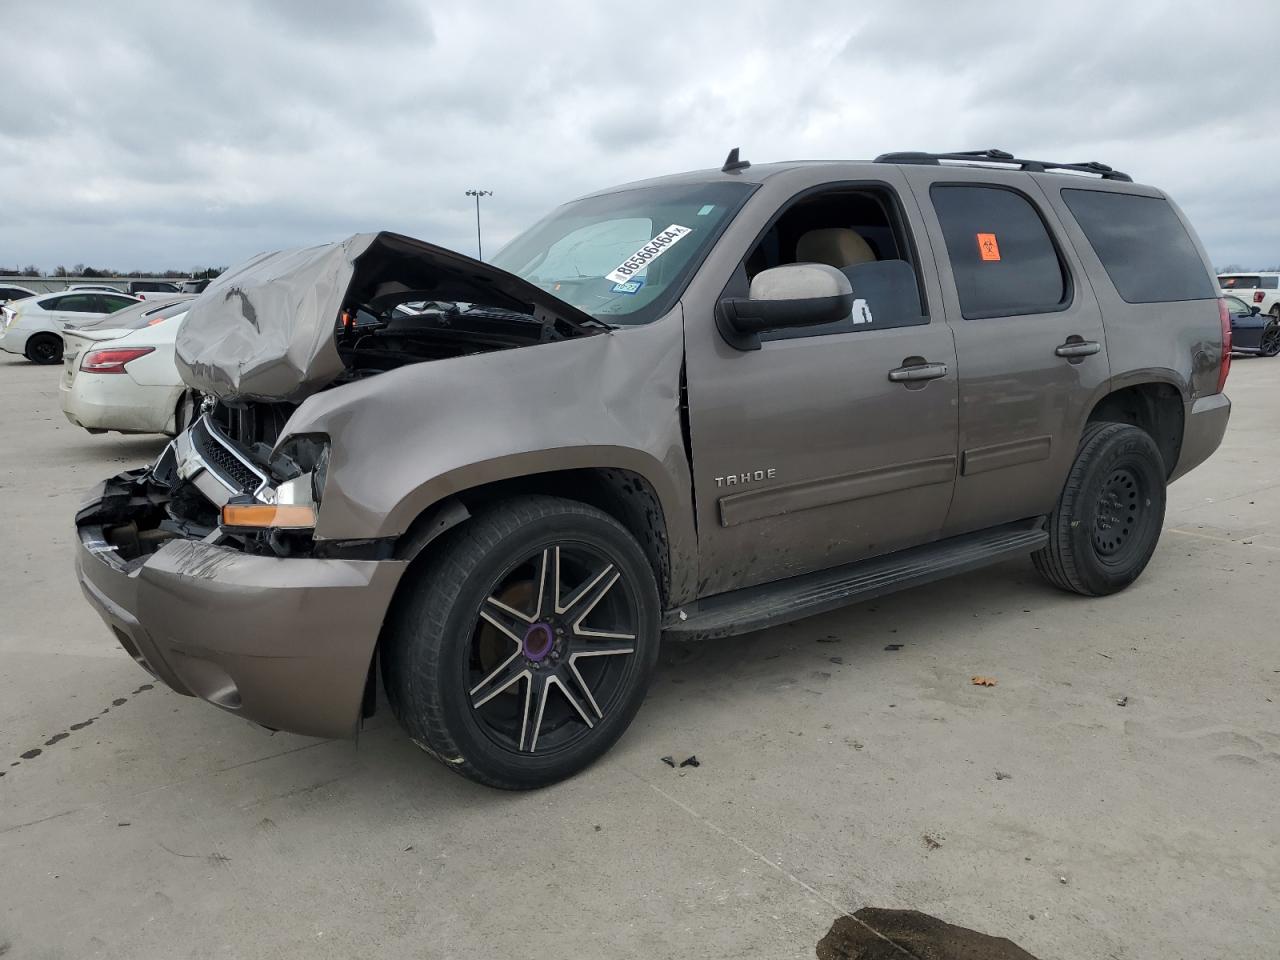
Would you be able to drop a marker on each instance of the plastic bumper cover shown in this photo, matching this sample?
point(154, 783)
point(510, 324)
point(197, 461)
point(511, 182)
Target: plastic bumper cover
point(1204, 424)
point(286, 643)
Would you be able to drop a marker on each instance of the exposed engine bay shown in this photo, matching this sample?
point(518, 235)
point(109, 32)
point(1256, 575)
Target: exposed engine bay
point(285, 326)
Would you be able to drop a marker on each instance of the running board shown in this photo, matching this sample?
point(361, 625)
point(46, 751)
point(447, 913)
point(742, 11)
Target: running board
point(769, 604)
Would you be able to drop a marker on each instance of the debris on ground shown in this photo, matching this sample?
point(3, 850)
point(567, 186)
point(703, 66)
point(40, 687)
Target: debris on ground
point(836, 660)
point(1122, 702)
point(983, 681)
point(931, 842)
point(669, 761)
point(1001, 775)
point(893, 646)
point(691, 762)
point(876, 933)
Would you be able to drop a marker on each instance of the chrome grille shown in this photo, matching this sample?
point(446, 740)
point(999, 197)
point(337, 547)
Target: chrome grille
point(217, 453)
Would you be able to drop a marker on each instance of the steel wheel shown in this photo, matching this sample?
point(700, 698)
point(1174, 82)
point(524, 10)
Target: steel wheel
point(1118, 514)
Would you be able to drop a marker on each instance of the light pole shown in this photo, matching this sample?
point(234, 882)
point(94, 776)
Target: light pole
point(478, 194)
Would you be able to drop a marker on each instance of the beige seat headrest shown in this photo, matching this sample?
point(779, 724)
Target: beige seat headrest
point(835, 246)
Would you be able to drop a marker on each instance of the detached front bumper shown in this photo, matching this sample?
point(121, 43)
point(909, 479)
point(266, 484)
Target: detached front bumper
point(286, 643)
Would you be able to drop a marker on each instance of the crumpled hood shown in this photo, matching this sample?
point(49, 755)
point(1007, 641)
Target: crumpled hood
point(264, 330)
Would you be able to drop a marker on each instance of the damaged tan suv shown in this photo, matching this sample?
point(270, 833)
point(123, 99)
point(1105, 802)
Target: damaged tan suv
point(697, 405)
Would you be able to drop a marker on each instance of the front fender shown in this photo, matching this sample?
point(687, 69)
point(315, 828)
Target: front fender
point(406, 439)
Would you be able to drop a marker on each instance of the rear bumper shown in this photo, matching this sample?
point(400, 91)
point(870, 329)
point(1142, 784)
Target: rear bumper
point(286, 643)
point(13, 340)
point(121, 405)
point(1204, 424)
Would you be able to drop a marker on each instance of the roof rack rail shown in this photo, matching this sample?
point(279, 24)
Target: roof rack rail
point(1001, 156)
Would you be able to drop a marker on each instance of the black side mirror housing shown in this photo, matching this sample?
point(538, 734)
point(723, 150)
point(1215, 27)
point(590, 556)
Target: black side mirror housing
point(794, 295)
point(1254, 311)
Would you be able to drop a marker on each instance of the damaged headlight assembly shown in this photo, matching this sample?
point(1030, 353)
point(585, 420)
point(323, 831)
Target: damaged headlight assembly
point(300, 464)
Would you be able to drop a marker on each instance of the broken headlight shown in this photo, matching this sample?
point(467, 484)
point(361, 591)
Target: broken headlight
point(300, 465)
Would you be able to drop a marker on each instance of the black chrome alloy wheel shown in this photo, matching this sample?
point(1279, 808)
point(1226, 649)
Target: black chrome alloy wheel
point(522, 649)
point(1269, 345)
point(553, 648)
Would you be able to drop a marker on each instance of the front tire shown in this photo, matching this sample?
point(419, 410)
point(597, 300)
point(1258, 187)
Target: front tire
point(44, 349)
point(1108, 519)
point(526, 643)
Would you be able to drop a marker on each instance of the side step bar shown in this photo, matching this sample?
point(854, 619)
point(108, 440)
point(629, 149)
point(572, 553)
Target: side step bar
point(769, 604)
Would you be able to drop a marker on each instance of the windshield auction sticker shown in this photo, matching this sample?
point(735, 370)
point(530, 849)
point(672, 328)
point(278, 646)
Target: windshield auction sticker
point(650, 252)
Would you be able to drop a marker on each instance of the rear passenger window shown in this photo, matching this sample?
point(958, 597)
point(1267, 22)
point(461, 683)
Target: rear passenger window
point(1002, 257)
point(78, 303)
point(1143, 246)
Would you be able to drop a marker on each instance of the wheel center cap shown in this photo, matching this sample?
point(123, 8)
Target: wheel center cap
point(538, 641)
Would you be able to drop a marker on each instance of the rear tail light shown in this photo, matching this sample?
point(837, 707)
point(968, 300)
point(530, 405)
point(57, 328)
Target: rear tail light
point(1225, 367)
point(112, 359)
point(1257, 296)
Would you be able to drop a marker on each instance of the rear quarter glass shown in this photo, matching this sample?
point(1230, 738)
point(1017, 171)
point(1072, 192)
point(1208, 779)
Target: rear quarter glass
point(1143, 245)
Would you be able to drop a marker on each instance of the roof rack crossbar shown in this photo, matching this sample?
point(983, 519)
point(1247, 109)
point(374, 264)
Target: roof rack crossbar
point(1001, 156)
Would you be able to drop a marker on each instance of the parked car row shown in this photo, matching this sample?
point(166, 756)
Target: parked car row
point(117, 353)
point(33, 327)
point(1253, 301)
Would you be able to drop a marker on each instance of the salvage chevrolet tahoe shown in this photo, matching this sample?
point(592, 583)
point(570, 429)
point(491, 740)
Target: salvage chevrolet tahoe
point(696, 406)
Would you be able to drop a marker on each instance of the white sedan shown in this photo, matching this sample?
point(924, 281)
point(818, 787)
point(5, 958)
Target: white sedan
point(11, 291)
point(33, 327)
point(119, 373)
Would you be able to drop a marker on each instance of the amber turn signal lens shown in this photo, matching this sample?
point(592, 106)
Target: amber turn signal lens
point(283, 516)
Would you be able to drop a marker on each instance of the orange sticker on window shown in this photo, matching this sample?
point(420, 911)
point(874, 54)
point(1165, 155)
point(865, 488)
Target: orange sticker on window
point(987, 246)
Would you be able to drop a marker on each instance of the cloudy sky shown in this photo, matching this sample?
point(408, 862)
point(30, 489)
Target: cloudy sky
point(153, 135)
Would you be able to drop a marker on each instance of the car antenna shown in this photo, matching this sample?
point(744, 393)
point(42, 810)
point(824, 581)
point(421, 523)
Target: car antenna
point(732, 163)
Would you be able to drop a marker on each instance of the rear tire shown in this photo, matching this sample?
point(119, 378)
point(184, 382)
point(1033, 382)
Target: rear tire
point(184, 413)
point(524, 646)
point(1108, 519)
point(44, 349)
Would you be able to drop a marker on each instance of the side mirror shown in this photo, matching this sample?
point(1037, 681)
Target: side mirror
point(1254, 311)
point(795, 295)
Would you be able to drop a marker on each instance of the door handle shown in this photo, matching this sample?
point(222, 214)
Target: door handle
point(1076, 348)
point(917, 372)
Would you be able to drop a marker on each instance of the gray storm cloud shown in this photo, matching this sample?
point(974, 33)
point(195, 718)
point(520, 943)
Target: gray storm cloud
point(156, 135)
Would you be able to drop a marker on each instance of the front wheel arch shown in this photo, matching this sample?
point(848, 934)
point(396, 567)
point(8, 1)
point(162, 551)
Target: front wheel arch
point(625, 495)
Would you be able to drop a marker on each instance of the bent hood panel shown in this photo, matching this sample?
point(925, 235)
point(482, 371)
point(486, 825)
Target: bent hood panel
point(264, 330)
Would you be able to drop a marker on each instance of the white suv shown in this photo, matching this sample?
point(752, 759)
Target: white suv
point(1261, 290)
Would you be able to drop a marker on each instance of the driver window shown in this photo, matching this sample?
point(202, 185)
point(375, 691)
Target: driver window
point(860, 233)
